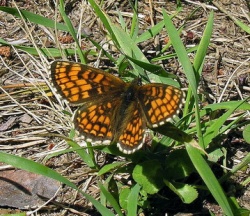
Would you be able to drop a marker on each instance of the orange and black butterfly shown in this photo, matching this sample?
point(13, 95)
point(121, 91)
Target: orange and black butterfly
point(112, 110)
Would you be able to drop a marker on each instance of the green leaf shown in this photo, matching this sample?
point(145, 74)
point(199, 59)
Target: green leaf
point(173, 132)
point(203, 46)
point(71, 30)
point(149, 174)
point(244, 163)
point(215, 155)
point(123, 197)
point(124, 42)
point(178, 165)
point(150, 33)
point(180, 50)
point(188, 69)
point(226, 105)
point(186, 192)
point(246, 133)
point(109, 167)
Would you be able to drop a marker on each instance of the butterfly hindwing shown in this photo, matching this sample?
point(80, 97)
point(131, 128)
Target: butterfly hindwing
point(94, 122)
point(132, 136)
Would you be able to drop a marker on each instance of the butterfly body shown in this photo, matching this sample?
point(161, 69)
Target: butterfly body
point(112, 110)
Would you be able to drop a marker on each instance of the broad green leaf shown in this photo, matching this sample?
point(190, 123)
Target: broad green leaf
point(178, 165)
point(149, 175)
point(215, 155)
point(123, 197)
point(186, 192)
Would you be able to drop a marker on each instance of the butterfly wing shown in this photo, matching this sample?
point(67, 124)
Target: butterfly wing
point(160, 102)
point(94, 121)
point(132, 136)
point(78, 83)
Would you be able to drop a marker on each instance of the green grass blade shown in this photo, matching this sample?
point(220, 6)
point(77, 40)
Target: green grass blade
point(72, 31)
point(34, 18)
point(123, 41)
point(215, 128)
point(109, 167)
point(111, 199)
point(188, 69)
point(242, 25)
point(243, 163)
point(134, 30)
point(209, 179)
point(150, 33)
point(226, 105)
point(48, 52)
point(83, 154)
point(181, 52)
point(172, 55)
point(129, 47)
point(104, 18)
point(31, 166)
point(203, 46)
point(133, 200)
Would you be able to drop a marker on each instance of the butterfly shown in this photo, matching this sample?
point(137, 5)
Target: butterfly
point(111, 110)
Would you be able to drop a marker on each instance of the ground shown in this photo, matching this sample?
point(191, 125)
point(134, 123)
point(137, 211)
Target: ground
point(26, 113)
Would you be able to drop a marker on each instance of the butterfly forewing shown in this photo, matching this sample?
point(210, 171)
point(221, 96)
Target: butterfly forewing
point(159, 102)
point(79, 83)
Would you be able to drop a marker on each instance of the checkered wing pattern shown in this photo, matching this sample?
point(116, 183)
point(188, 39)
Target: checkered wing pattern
point(112, 110)
point(132, 137)
point(78, 83)
point(94, 121)
point(160, 103)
